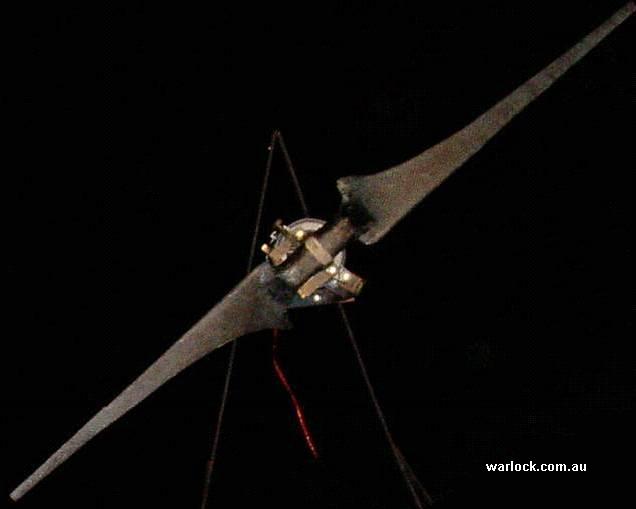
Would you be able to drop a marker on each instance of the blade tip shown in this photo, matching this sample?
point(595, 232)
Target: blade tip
point(21, 490)
point(15, 495)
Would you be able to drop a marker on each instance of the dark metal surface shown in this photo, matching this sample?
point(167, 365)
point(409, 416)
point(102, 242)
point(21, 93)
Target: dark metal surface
point(248, 308)
point(389, 195)
point(302, 265)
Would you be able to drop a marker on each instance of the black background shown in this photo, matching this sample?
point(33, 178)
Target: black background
point(495, 322)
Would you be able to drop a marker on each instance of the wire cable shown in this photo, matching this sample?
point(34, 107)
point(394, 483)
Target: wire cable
point(232, 356)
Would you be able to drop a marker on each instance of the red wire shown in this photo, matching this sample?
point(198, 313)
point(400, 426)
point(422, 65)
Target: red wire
point(300, 416)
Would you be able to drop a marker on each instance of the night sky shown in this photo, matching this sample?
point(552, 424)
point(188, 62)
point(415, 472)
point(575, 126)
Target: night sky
point(495, 321)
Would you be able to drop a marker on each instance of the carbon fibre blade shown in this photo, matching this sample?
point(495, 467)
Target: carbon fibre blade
point(389, 195)
point(248, 308)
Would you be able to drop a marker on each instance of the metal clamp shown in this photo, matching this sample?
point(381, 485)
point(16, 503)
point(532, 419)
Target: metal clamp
point(334, 283)
point(316, 250)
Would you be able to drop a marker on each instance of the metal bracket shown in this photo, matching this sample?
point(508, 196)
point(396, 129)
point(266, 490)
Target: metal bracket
point(334, 283)
point(322, 256)
point(314, 283)
point(350, 282)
